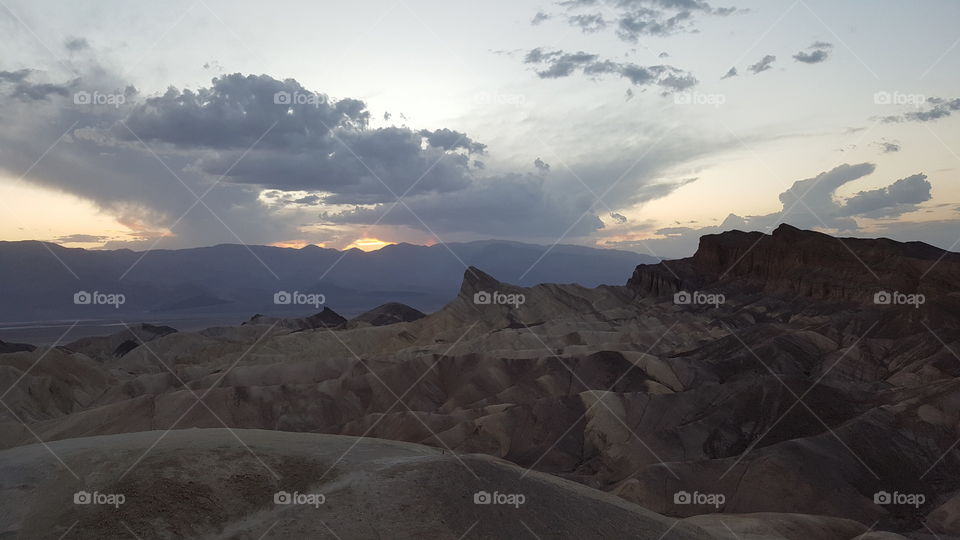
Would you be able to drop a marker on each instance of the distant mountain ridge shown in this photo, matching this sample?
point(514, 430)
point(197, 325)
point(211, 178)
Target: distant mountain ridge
point(39, 280)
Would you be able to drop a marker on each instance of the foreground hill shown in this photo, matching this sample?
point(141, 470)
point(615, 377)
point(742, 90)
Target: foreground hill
point(766, 387)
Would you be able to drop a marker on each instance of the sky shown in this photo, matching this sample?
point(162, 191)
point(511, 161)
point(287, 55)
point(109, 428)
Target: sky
point(628, 124)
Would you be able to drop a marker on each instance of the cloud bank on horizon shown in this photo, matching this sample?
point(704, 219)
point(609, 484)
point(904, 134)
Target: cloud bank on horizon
point(254, 157)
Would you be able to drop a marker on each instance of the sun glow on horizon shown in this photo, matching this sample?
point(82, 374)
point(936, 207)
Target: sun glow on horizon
point(368, 244)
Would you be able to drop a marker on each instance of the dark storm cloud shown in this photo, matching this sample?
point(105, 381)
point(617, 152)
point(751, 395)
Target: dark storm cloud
point(764, 64)
point(554, 64)
point(732, 72)
point(619, 218)
point(448, 139)
point(816, 53)
point(938, 108)
point(541, 165)
point(266, 153)
point(894, 200)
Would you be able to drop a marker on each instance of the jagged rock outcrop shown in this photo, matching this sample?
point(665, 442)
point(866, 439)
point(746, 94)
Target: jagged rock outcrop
point(389, 313)
point(327, 318)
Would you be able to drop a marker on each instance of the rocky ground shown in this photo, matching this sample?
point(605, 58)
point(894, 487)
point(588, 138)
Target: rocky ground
point(760, 389)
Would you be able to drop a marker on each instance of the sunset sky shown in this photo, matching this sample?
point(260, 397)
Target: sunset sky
point(633, 124)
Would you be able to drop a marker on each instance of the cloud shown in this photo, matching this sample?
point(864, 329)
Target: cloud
point(555, 64)
point(619, 218)
point(81, 239)
point(76, 44)
point(541, 165)
point(764, 64)
point(888, 147)
point(588, 23)
point(811, 203)
point(939, 108)
point(539, 18)
point(731, 73)
point(818, 52)
point(632, 19)
point(269, 156)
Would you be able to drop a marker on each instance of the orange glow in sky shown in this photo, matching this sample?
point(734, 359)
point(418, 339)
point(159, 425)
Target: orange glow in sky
point(368, 244)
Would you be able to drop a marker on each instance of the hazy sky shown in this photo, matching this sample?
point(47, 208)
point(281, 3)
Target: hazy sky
point(638, 124)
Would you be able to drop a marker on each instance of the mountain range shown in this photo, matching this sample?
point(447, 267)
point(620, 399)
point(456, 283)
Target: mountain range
point(786, 386)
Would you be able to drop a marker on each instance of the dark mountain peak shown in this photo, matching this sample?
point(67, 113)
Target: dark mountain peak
point(389, 313)
point(476, 280)
point(327, 318)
